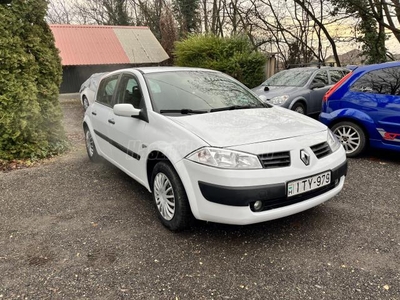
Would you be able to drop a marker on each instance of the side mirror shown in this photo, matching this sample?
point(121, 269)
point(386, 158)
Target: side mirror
point(317, 85)
point(126, 110)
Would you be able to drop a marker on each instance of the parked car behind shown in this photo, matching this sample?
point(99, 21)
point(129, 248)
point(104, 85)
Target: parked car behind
point(205, 146)
point(89, 88)
point(364, 108)
point(300, 89)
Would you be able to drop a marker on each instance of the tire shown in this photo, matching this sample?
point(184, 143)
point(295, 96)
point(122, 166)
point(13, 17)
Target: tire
point(299, 107)
point(351, 136)
point(170, 198)
point(91, 147)
point(85, 103)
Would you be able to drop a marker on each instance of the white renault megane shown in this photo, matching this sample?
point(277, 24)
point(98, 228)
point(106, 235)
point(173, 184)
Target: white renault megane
point(206, 147)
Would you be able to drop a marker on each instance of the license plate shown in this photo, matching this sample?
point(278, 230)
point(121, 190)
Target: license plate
point(308, 184)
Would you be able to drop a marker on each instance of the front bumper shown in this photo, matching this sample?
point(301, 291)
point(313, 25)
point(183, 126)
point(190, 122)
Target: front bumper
point(272, 196)
point(226, 196)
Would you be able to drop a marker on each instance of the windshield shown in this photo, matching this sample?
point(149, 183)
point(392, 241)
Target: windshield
point(293, 77)
point(197, 91)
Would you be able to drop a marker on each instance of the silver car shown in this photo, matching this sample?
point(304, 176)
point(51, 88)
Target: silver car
point(88, 89)
point(300, 89)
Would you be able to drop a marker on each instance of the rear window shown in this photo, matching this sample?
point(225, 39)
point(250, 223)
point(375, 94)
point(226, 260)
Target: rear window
point(321, 77)
point(384, 81)
point(336, 75)
point(106, 90)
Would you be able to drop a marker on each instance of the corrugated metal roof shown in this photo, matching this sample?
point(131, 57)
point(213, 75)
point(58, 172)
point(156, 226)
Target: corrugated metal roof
point(103, 45)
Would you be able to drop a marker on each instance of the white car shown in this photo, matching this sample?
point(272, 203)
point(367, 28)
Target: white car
point(205, 146)
point(89, 88)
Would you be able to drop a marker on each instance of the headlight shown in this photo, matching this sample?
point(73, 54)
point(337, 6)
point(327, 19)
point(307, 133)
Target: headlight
point(279, 99)
point(225, 159)
point(333, 141)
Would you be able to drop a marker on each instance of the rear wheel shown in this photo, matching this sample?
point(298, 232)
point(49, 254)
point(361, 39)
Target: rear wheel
point(300, 108)
point(351, 136)
point(85, 103)
point(91, 147)
point(170, 198)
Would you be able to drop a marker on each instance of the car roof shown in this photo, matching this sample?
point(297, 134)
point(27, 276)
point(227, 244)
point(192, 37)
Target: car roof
point(148, 70)
point(367, 68)
point(318, 68)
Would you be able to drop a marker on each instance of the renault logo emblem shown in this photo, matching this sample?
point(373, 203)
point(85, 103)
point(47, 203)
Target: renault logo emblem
point(305, 157)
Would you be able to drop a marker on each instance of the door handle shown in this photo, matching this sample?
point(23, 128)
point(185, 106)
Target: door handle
point(94, 113)
point(111, 121)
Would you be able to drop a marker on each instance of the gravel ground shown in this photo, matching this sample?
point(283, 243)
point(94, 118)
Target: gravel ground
point(71, 229)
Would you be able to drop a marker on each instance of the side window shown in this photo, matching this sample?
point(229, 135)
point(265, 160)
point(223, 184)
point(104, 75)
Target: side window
point(383, 81)
point(321, 77)
point(129, 92)
point(336, 75)
point(106, 90)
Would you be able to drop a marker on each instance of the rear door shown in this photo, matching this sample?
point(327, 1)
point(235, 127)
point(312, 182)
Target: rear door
point(377, 93)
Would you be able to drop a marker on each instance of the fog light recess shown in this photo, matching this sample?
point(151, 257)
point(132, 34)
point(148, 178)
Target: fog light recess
point(257, 205)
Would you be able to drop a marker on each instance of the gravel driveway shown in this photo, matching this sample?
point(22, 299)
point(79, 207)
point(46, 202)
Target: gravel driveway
point(71, 229)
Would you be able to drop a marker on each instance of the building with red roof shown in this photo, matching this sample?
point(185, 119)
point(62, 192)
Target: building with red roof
point(88, 49)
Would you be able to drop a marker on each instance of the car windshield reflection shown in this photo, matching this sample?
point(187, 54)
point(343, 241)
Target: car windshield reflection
point(189, 92)
point(293, 77)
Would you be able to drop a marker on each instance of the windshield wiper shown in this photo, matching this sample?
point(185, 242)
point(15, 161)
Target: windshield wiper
point(184, 111)
point(233, 107)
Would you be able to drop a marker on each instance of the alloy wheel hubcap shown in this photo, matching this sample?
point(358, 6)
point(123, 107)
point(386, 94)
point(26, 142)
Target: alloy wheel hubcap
point(164, 195)
point(349, 137)
point(89, 143)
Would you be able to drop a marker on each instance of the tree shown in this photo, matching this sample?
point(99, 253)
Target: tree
point(117, 12)
point(386, 13)
point(307, 7)
point(232, 55)
point(60, 12)
point(30, 75)
point(102, 12)
point(168, 32)
point(374, 17)
point(187, 14)
point(150, 13)
point(286, 29)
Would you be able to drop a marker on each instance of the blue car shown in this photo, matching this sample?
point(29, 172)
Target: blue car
point(363, 109)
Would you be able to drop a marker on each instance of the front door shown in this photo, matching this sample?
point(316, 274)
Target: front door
point(128, 133)
point(316, 95)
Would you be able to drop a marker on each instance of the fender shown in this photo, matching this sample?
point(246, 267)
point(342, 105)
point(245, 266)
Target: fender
point(300, 98)
point(86, 121)
point(351, 114)
point(171, 154)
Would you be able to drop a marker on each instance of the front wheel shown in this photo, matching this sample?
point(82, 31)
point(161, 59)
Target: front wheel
point(351, 136)
point(299, 107)
point(170, 197)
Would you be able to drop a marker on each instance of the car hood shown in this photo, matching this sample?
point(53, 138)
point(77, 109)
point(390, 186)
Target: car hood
point(248, 126)
point(276, 90)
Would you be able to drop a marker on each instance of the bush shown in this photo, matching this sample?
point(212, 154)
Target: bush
point(30, 75)
point(234, 56)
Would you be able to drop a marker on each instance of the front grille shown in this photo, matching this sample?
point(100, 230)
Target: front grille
point(275, 160)
point(321, 150)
